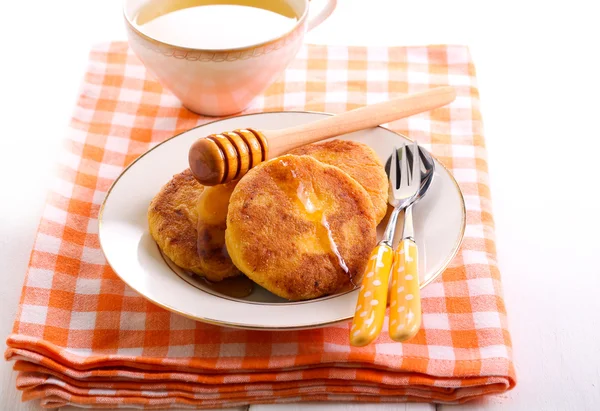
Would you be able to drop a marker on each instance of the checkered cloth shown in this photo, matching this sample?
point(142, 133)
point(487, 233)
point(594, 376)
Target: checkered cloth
point(83, 337)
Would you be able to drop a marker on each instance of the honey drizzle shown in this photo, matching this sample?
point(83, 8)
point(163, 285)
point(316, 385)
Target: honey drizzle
point(212, 218)
point(334, 248)
point(314, 208)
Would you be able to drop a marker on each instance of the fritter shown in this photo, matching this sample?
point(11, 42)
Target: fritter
point(173, 220)
point(300, 228)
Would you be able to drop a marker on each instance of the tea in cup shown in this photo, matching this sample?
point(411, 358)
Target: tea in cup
point(216, 56)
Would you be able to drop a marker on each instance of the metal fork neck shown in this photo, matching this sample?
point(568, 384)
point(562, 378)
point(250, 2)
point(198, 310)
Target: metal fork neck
point(390, 229)
point(408, 231)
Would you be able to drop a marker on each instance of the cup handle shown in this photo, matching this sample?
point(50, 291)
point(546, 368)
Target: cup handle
point(318, 18)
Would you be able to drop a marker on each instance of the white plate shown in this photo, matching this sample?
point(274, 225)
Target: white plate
point(439, 220)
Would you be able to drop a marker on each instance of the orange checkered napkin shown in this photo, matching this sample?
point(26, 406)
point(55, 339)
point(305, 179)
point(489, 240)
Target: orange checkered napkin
point(83, 337)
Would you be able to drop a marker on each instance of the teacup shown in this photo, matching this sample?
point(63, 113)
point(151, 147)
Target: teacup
point(220, 81)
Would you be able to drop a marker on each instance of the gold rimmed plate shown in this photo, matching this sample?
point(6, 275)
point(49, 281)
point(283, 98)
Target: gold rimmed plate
point(439, 222)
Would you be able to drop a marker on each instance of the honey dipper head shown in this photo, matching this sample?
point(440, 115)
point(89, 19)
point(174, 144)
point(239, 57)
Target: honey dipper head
point(207, 162)
point(220, 158)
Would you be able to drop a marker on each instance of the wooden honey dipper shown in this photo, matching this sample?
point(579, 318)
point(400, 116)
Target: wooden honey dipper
point(227, 156)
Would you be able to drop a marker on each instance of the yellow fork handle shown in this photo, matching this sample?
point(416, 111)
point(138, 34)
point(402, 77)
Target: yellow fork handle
point(372, 297)
point(405, 298)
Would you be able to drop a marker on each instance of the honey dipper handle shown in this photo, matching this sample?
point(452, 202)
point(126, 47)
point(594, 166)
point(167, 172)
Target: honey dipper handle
point(283, 140)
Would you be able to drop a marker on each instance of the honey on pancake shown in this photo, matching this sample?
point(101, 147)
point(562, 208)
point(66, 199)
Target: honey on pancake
point(359, 161)
point(213, 203)
point(212, 211)
point(314, 208)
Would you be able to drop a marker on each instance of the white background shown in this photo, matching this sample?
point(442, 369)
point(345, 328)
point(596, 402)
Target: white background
point(538, 65)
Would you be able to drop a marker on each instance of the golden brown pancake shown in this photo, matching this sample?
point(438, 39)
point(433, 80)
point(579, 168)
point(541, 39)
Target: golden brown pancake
point(359, 161)
point(173, 219)
point(300, 228)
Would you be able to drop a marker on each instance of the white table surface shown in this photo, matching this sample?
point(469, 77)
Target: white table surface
point(538, 66)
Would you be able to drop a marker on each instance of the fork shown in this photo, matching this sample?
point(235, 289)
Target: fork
point(405, 299)
point(372, 298)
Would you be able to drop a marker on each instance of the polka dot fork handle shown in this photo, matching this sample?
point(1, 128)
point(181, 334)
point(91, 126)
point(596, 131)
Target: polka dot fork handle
point(372, 297)
point(405, 299)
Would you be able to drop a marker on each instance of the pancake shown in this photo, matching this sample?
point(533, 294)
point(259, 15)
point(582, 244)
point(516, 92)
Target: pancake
point(300, 228)
point(360, 162)
point(196, 246)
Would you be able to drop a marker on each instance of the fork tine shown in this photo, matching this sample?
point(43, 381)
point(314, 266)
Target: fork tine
point(393, 169)
point(404, 177)
point(416, 165)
